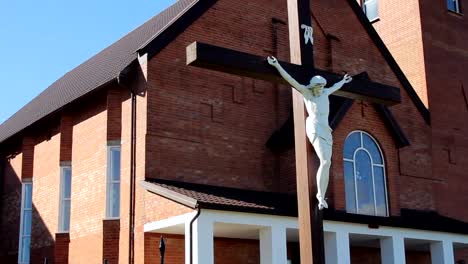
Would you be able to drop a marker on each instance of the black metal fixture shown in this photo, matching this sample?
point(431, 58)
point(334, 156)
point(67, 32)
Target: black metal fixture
point(162, 249)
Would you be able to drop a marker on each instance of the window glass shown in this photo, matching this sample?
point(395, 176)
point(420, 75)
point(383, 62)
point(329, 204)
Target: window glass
point(65, 199)
point(369, 145)
point(115, 164)
point(25, 249)
point(66, 218)
point(364, 174)
point(349, 187)
point(113, 182)
point(27, 215)
point(115, 200)
point(27, 196)
point(352, 143)
point(25, 226)
point(364, 180)
point(67, 182)
point(380, 200)
point(453, 5)
point(371, 8)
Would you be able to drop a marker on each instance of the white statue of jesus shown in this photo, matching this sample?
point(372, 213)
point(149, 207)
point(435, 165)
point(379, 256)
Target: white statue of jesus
point(317, 128)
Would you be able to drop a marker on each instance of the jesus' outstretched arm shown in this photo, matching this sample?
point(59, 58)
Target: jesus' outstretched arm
point(296, 85)
point(338, 85)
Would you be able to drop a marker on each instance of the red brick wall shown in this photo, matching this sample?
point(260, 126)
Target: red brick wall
point(11, 206)
point(445, 41)
point(209, 127)
point(219, 131)
point(226, 251)
point(46, 193)
point(110, 241)
point(400, 28)
point(62, 242)
point(89, 173)
point(66, 137)
point(364, 255)
point(430, 43)
point(159, 208)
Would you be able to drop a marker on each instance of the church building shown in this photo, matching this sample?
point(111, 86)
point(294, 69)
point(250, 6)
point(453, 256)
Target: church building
point(172, 144)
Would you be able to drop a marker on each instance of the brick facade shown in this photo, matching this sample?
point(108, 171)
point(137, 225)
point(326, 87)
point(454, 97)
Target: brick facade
point(200, 126)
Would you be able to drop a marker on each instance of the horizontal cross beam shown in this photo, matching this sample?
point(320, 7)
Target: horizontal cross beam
point(244, 64)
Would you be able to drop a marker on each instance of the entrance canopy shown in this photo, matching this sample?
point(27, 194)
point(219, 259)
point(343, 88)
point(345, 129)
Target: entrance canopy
point(270, 218)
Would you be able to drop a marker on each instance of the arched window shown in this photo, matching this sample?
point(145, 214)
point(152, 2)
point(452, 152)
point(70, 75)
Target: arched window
point(364, 173)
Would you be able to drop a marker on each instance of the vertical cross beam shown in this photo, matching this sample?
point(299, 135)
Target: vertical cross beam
point(310, 218)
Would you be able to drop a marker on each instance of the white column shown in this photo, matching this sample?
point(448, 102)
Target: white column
point(392, 250)
point(442, 252)
point(202, 239)
point(187, 242)
point(273, 249)
point(337, 247)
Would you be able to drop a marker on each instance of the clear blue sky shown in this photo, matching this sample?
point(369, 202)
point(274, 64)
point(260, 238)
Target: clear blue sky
point(41, 40)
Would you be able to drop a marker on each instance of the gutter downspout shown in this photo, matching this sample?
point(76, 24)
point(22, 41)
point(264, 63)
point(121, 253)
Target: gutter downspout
point(191, 233)
point(131, 247)
point(131, 229)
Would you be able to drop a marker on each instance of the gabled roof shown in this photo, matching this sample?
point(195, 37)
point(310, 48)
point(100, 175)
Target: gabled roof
point(101, 69)
point(202, 196)
point(149, 38)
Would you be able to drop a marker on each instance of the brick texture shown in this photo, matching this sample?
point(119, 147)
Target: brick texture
point(445, 46)
point(201, 126)
point(62, 242)
point(110, 241)
point(89, 173)
point(46, 193)
point(11, 205)
point(226, 251)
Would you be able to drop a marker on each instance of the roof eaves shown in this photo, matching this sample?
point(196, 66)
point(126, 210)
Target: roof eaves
point(169, 194)
point(175, 28)
point(13, 134)
point(148, 42)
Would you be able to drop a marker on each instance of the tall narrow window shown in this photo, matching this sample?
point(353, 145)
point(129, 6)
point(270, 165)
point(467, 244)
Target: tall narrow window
point(25, 224)
point(113, 182)
point(65, 199)
point(454, 5)
point(371, 8)
point(364, 172)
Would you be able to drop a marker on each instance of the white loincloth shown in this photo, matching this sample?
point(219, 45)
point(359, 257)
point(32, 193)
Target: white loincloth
point(316, 130)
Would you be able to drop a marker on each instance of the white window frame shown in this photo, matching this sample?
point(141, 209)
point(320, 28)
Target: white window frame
point(21, 235)
point(110, 182)
point(364, 8)
point(372, 171)
point(457, 6)
point(62, 200)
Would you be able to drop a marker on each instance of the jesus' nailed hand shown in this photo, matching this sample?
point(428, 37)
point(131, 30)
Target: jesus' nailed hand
point(317, 129)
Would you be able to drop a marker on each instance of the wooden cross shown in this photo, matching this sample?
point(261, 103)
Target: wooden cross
point(302, 69)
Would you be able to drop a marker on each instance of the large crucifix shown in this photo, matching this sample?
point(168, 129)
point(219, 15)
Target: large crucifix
point(301, 69)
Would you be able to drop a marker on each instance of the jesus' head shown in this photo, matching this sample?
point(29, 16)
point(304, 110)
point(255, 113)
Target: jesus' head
point(317, 84)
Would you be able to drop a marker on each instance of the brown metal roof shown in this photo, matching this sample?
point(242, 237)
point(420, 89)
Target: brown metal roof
point(99, 70)
point(240, 200)
point(223, 198)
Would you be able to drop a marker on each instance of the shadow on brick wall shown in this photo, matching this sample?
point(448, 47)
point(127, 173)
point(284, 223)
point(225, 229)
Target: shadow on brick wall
point(43, 242)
